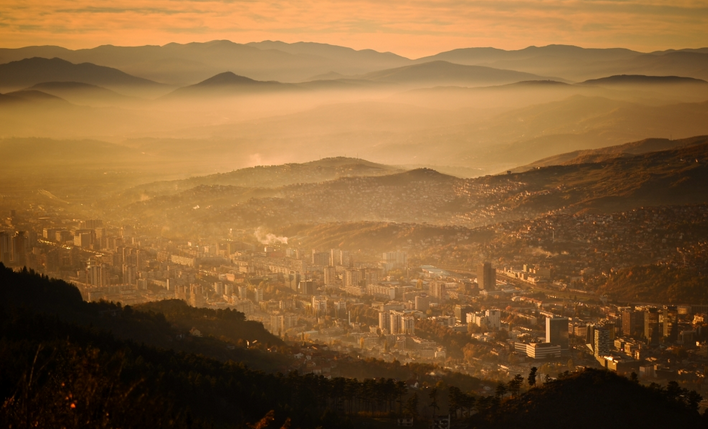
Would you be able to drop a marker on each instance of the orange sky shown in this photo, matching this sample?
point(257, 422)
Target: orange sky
point(409, 28)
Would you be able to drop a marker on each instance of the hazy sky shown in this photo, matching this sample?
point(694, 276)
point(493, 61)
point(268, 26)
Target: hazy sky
point(410, 28)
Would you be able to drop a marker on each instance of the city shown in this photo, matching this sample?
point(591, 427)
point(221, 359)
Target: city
point(492, 321)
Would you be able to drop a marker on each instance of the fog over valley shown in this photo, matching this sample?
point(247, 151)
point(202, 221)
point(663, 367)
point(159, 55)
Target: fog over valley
point(306, 235)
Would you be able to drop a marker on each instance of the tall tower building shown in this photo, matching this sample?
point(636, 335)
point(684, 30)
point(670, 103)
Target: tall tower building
point(601, 341)
point(670, 323)
point(486, 276)
point(6, 251)
point(652, 326)
point(632, 323)
point(20, 243)
point(557, 332)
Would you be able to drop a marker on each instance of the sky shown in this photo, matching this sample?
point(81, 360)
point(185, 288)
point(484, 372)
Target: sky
point(409, 28)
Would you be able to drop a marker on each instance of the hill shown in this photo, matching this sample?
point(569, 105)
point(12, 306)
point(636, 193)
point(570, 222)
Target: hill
point(446, 73)
point(379, 236)
point(657, 283)
point(677, 176)
point(266, 176)
point(607, 153)
point(32, 71)
point(86, 94)
point(590, 399)
point(33, 97)
point(416, 196)
point(105, 365)
point(645, 80)
point(151, 325)
point(227, 84)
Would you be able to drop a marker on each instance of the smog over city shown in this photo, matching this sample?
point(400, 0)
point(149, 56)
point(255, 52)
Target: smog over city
point(432, 214)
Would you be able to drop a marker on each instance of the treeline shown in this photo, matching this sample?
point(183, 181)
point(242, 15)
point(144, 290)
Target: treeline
point(225, 324)
point(588, 399)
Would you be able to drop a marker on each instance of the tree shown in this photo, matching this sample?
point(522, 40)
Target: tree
point(433, 395)
point(411, 407)
point(401, 390)
point(455, 399)
point(532, 376)
point(693, 398)
point(501, 390)
point(515, 384)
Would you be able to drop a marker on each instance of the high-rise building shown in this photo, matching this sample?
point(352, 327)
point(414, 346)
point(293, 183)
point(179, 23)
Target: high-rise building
point(335, 257)
point(396, 320)
point(461, 312)
point(340, 309)
point(632, 323)
point(408, 324)
point(83, 238)
point(670, 323)
point(601, 341)
point(330, 275)
point(557, 331)
point(6, 251)
point(293, 280)
point(394, 260)
point(652, 326)
point(129, 274)
point(20, 243)
point(352, 277)
point(196, 298)
point(320, 258)
point(422, 302)
point(306, 287)
point(494, 319)
point(319, 305)
point(385, 321)
point(437, 290)
point(486, 276)
point(96, 274)
point(91, 224)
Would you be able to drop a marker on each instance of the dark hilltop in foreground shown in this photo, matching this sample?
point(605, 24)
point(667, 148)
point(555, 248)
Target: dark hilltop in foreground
point(68, 363)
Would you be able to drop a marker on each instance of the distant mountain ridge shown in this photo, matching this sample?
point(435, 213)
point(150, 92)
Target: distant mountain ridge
point(225, 84)
point(84, 93)
point(447, 73)
point(33, 71)
point(645, 80)
point(182, 64)
point(611, 152)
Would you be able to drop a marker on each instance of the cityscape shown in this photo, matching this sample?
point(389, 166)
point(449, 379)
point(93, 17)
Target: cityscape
point(320, 215)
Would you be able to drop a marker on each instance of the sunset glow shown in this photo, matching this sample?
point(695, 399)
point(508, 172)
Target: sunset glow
point(413, 28)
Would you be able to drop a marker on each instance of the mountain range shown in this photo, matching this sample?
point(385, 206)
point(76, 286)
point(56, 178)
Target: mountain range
point(625, 181)
point(483, 110)
point(181, 64)
point(32, 71)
